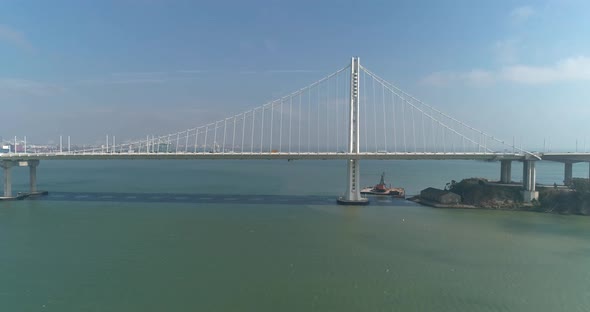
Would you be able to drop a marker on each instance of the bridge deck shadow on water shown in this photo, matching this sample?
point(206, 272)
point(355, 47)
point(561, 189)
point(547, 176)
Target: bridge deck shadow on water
point(208, 198)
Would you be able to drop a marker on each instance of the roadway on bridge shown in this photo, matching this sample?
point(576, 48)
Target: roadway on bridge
point(285, 156)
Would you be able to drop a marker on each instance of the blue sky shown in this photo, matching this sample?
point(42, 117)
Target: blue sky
point(132, 67)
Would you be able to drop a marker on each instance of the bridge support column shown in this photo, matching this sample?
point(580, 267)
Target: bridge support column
point(7, 166)
point(33, 175)
point(529, 181)
point(352, 196)
point(505, 171)
point(568, 174)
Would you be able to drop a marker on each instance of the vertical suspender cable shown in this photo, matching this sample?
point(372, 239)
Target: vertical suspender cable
point(423, 132)
point(290, 118)
point(196, 140)
point(281, 128)
point(327, 115)
point(393, 97)
point(374, 100)
point(463, 142)
point(337, 115)
point(233, 137)
point(252, 139)
point(482, 141)
point(404, 124)
point(215, 138)
point(384, 118)
point(443, 138)
point(186, 142)
point(262, 130)
point(413, 128)
point(224, 132)
point(299, 117)
point(272, 114)
point(452, 138)
point(365, 110)
point(309, 121)
point(206, 137)
point(243, 130)
point(432, 135)
point(318, 117)
point(453, 144)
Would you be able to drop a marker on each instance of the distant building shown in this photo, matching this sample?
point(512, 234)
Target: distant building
point(11, 148)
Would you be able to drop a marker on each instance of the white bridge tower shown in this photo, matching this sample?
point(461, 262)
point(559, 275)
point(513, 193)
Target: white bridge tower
point(352, 196)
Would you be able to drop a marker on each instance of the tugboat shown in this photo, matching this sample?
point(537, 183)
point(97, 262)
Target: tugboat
point(382, 189)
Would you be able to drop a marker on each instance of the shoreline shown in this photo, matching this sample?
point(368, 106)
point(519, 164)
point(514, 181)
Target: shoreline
point(477, 193)
point(429, 204)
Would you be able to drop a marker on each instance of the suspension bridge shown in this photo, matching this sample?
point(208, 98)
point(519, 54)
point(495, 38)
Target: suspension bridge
point(351, 114)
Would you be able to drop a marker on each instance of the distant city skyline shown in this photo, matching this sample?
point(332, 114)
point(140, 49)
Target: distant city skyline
point(133, 68)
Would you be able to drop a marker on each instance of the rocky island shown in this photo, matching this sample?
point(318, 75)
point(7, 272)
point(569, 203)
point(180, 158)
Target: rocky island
point(481, 193)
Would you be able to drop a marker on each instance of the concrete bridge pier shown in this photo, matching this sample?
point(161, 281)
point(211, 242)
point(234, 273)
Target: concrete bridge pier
point(505, 171)
point(352, 196)
point(568, 174)
point(7, 166)
point(529, 181)
point(33, 175)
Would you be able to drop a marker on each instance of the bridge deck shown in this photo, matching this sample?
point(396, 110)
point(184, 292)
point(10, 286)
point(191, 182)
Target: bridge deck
point(269, 156)
point(567, 157)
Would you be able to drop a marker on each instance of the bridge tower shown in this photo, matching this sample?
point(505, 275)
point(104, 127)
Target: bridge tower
point(352, 196)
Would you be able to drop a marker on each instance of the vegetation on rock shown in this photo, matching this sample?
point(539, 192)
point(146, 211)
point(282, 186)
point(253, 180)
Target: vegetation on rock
point(567, 201)
point(479, 192)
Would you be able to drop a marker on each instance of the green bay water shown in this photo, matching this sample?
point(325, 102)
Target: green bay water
point(76, 255)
